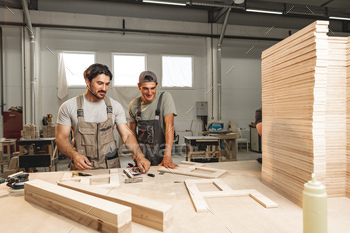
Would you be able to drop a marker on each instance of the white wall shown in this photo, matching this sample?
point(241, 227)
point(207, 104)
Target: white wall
point(103, 44)
point(12, 69)
point(241, 87)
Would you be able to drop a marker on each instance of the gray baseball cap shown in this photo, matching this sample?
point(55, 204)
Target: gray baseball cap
point(147, 76)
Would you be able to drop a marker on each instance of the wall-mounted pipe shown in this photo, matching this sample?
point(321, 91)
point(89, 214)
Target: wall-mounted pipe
point(32, 58)
point(219, 61)
point(2, 73)
point(23, 52)
point(103, 29)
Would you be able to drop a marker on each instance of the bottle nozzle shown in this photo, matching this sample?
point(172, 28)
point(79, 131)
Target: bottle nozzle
point(313, 177)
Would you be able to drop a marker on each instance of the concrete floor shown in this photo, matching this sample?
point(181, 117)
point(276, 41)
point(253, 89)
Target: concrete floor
point(125, 159)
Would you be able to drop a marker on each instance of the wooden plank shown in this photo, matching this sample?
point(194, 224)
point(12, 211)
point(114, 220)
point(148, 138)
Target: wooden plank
point(147, 212)
point(197, 199)
point(194, 169)
point(96, 213)
point(200, 205)
point(264, 201)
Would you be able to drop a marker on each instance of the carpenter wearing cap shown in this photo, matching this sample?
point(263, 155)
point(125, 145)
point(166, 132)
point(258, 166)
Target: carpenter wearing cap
point(147, 76)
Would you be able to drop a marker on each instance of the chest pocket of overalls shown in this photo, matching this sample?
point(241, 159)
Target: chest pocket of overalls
point(145, 132)
point(88, 139)
point(107, 134)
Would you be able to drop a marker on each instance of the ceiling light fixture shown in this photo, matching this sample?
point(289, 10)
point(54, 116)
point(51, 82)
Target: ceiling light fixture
point(215, 5)
point(166, 3)
point(265, 12)
point(339, 18)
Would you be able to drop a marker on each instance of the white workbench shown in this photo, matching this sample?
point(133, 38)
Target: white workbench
point(231, 214)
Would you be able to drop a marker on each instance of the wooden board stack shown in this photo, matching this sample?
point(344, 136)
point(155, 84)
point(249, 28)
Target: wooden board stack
point(335, 117)
point(304, 112)
point(49, 130)
point(30, 131)
point(348, 121)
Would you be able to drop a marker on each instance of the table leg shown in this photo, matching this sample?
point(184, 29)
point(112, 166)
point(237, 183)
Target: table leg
point(51, 156)
point(10, 155)
point(219, 150)
point(8, 146)
point(186, 152)
point(234, 150)
point(191, 150)
point(1, 160)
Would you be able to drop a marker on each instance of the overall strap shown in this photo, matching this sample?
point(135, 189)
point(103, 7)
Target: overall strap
point(157, 114)
point(80, 103)
point(138, 113)
point(108, 107)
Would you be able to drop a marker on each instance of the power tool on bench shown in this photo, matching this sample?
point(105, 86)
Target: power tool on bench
point(16, 181)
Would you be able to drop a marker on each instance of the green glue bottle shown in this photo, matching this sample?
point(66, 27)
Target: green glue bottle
point(314, 207)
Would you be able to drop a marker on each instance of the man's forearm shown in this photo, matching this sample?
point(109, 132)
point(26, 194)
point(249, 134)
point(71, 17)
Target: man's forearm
point(169, 139)
point(66, 148)
point(132, 145)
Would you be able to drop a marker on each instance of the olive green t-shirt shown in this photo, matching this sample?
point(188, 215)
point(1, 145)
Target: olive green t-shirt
point(148, 109)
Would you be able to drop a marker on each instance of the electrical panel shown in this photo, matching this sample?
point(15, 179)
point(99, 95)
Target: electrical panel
point(202, 108)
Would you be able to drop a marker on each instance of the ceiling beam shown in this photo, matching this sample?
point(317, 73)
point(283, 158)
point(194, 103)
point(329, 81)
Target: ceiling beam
point(11, 4)
point(221, 13)
point(326, 3)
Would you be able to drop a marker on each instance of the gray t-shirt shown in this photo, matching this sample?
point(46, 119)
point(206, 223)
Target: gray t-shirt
point(148, 109)
point(93, 112)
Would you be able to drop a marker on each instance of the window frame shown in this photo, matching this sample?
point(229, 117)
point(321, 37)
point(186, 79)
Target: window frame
point(77, 52)
point(193, 73)
point(126, 54)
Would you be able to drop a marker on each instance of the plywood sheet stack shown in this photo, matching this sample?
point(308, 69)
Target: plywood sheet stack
point(304, 100)
point(335, 118)
point(348, 121)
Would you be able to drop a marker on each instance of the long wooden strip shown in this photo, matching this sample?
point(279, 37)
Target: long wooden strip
point(195, 169)
point(147, 212)
point(96, 213)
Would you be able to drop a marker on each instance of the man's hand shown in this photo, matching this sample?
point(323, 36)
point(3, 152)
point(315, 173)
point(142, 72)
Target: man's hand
point(168, 162)
point(81, 162)
point(143, 163)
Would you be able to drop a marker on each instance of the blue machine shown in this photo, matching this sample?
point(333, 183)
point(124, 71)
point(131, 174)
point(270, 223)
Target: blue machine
point(216, 126)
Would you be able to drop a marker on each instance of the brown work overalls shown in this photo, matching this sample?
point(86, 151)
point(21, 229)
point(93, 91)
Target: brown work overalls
point(96, 140)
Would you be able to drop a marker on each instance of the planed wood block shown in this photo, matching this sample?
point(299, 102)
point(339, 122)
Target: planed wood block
point(93, 212)
point(147, 212)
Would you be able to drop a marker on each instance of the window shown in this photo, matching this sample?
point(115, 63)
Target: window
point(177, 71)
point(127, 68)
point(76, 64)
